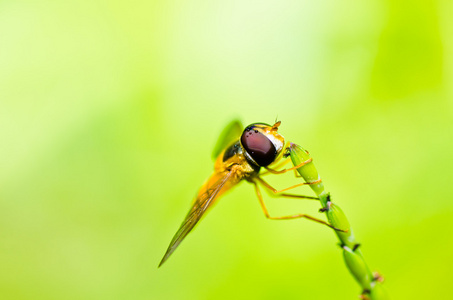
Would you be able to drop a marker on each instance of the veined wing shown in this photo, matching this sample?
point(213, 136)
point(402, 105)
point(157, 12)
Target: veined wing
point(210, 190)
point(229, 134)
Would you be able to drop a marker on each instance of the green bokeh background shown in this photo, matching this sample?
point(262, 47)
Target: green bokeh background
point(109, 111)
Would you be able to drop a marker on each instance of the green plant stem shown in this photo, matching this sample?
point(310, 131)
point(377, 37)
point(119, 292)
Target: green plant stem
point(371, 284)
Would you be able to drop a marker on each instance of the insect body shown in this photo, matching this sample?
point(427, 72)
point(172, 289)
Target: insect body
point(258, 146)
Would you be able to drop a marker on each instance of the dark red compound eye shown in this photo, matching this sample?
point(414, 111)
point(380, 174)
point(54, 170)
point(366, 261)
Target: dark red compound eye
point(258, 146)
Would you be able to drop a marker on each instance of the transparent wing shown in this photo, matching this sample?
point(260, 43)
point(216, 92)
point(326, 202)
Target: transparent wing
point(201, 204)
point(229, 134)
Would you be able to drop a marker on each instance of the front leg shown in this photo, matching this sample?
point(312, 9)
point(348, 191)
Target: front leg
point(297, 216)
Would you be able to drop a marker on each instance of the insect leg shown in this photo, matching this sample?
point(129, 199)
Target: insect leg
point(295, 196)
point(266, 212)
point(290, 169)
point(275, 191)
point(281, 164)
point(276, 194)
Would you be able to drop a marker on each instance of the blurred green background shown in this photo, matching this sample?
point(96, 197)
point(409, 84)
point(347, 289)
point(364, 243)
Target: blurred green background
point(109, 112)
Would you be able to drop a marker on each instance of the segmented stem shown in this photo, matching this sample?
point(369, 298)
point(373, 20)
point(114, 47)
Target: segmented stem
point(371, 283)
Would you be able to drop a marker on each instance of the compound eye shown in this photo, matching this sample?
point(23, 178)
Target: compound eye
point(258, 146)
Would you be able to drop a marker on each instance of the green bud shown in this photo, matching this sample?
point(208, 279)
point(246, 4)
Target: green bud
point(338, 219)
point(357, 267)
point(308, 171)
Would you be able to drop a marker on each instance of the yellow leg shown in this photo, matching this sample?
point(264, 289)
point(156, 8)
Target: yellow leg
point(295, 196)
point(266, 212)
point(281, 164)
point(290, 169)
point(276, 194)
point(275, 191)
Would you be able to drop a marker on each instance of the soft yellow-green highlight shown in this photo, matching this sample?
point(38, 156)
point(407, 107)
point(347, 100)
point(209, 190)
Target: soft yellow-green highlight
point(109, 112)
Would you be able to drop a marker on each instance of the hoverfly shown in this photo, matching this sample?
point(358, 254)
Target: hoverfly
point(240, 154)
